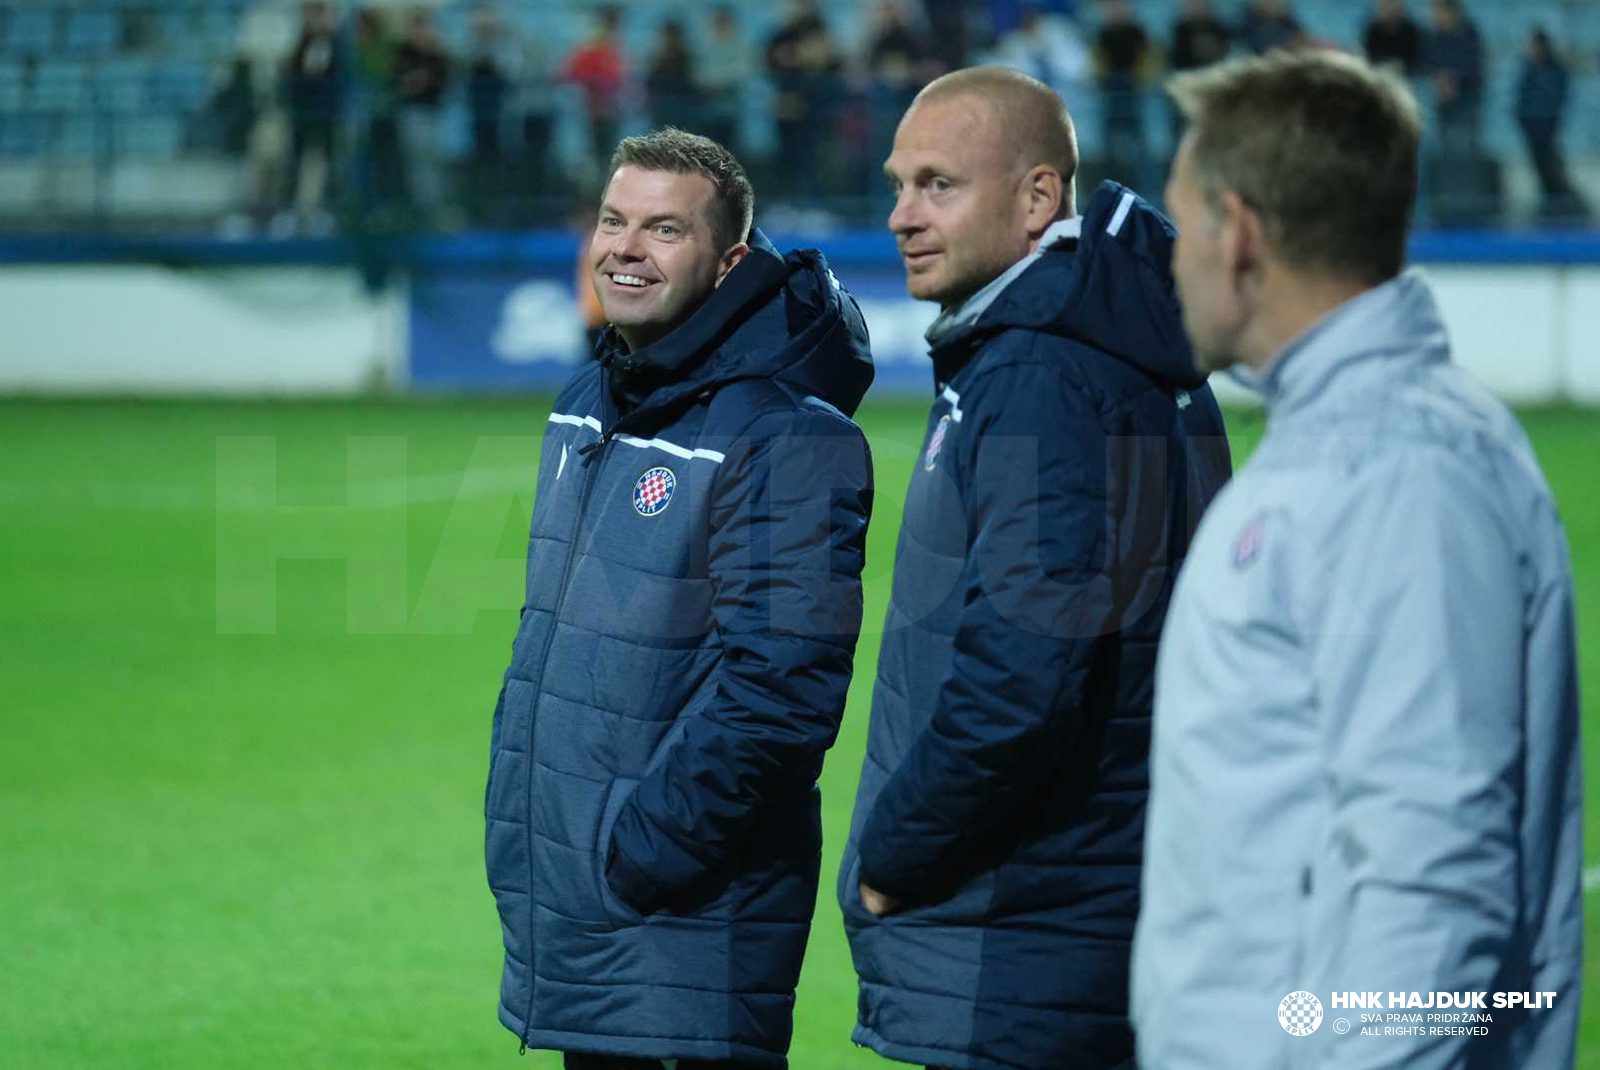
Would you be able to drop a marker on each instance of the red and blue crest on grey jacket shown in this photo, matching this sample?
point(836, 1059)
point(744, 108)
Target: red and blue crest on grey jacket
point(1068, 458)
point(680, 667)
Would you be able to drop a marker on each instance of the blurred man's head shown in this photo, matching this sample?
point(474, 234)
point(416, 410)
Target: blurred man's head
point(487, 29)
point(1539, 48)
point(1446, 15)
point(317, 15)
point(1116, 11)
point(1297, 173)
point(673, 222)
point(419, 25)
point(983, 163)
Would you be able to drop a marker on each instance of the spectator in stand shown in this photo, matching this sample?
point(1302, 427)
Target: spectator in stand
point(314, 85)
point(1454, 61)
point(233, 109)
point(1269, 24)
point(1393, 39)
point(948, 31)
point(1123, 58)
point(1047, 46)
point(490, 74)
point(266, 35)
point(1199, 38)
point(806, 67)
point(421, 70)
point(599, 68)
point(726, 67)
point(488, 84)
point(533, 108)
point(1541, 104)
point(899, 61)
point(380, 173)
point(670, 80)
point(899, 53)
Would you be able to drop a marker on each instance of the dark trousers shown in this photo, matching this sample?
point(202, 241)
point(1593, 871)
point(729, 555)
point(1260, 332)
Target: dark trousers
point(573, 1060)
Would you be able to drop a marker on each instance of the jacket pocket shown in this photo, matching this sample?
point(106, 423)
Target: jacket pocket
point(508, 740)
point(617, 912)
point(854, 910)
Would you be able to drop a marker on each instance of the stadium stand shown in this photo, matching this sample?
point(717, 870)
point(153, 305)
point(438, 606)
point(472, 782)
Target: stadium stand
point(89, 90)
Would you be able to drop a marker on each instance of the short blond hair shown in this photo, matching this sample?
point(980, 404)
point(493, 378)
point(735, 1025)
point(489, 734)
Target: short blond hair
point(1033, 118)
point(1321, 144)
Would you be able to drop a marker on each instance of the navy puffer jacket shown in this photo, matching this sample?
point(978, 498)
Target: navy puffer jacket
point(693, 600)
point(1066, 464)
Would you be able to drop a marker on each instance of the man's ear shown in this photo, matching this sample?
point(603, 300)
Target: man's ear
point(1044, 199)
point(1241, 237)
point(729, 260)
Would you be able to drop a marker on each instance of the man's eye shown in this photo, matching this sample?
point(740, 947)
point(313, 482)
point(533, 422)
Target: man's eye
point(610, 221)
point(667, 230)
point(939, 185)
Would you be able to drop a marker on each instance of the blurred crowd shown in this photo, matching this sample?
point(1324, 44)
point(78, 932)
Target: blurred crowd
point(365, 114)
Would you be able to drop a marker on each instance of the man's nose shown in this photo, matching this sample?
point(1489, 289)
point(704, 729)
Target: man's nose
point(627, 245)
point(903, 218)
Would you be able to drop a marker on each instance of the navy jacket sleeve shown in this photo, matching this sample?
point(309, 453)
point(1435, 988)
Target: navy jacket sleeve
point(1037, 595)
point(786, 546)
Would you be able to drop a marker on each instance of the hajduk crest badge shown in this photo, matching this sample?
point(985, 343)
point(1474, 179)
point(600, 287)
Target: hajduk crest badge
point(936, 442)
point(652, 492)
point(1248, 545)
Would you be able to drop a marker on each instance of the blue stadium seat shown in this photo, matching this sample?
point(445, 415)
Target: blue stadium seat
point(79, 135)
point(182, 85)
point(179, 30)
point(219, 25)
point(451, 20)
point(148, 136)
point(91, 32)
point(1583, 122)
point(31, 31)
point(25, 134)
point(11, 87)
point(60, 85)
point(123, 85)
point(1339, 22)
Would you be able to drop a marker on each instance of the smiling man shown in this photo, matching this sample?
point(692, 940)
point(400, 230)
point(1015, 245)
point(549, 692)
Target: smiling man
point(693, 601)
point(991, 881)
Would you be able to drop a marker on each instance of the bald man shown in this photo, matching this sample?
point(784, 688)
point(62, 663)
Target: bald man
point(991, 880)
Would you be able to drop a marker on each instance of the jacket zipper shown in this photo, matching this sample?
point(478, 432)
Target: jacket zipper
point(595, 451)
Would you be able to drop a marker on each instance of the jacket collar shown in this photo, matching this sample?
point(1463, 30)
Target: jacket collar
point(1398, 321)
point(964, 316)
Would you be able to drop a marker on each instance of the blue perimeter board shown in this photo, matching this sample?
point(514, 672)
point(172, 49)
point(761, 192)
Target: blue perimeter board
point(495, 310)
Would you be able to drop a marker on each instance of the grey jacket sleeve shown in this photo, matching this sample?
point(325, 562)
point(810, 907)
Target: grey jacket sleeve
point(1416, 603)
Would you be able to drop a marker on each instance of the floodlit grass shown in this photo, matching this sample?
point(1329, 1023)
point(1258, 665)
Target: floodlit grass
point(242, 825)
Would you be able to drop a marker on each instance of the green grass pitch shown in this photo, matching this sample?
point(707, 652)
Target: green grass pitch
point(240, 823)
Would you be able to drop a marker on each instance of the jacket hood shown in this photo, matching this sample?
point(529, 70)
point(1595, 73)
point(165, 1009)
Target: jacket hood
point(776, 316)
point(1113, 291)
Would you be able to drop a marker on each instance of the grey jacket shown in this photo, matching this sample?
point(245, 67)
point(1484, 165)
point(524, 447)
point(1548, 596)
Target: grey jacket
point(1365, 767)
